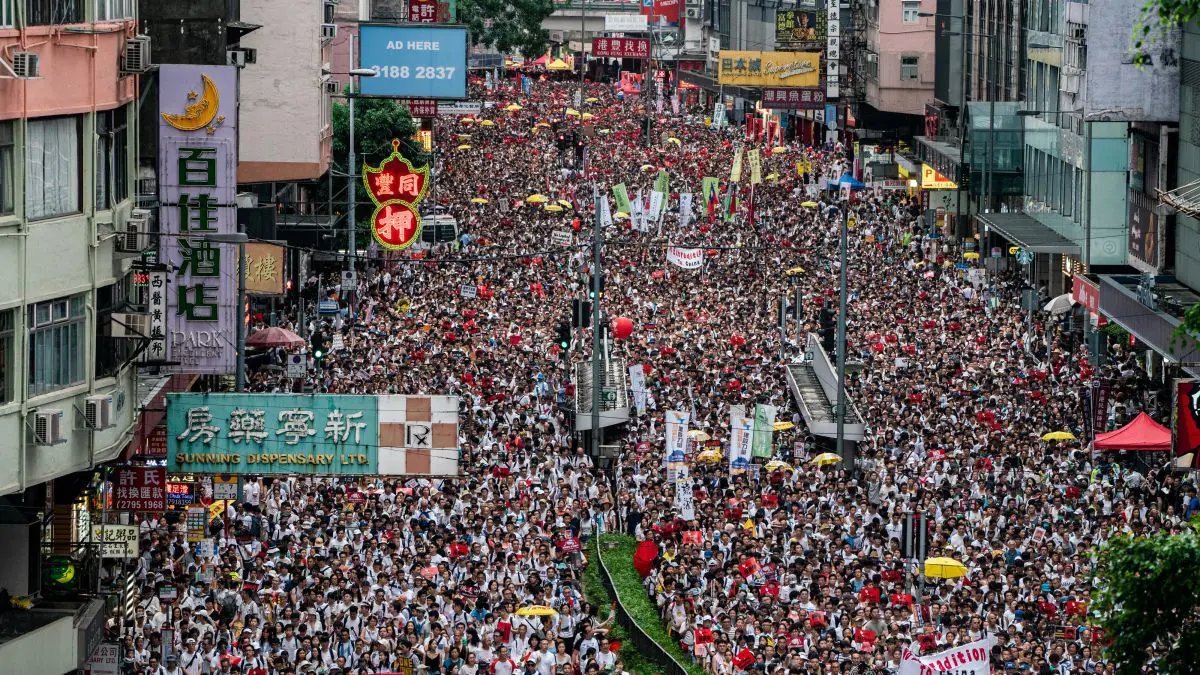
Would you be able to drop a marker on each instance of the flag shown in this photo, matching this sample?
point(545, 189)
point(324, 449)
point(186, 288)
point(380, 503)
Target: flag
point(685, 209)
point(755, 160)
point(605, 212)
point(764, 430)
point(711, 189)
point(750, 210)
point(662, 182)
point(735, 174)
point(731, 205)
point(622, 197)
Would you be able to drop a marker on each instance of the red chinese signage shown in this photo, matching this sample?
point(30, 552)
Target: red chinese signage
point(1085, 293)
point(396, 188)
point(1187, 423)
point(793, 98)
point(422, 11)
point(422, 107)
point(629, 48)
point(139, 489)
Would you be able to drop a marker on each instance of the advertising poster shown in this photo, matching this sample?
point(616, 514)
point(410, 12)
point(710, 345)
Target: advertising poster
point(769, 69)
point(799, 30)
point(426, 61)
point(1186, 427)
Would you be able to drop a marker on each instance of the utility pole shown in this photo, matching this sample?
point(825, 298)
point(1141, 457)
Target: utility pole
point(597, 373)
point(841, 334)
point(351, 172)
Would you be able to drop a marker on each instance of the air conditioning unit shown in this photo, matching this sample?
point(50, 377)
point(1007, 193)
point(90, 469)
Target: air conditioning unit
point(333, 87)
point(691, 12)
point(328, 31)
point(136, 57)
point(241, 56)
point(1070, 84)
point(98, 411)
point(48, 428)
point(872, 57)
point(693, 3)
point(26, 65)
point(133, 238)
point(126, 325)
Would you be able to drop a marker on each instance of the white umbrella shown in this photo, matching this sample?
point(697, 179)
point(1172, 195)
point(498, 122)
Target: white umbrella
point(1060, 304)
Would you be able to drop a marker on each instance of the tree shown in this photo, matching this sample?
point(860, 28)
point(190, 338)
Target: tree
point(376, 122)
point(508, 26)
point(1149, 602)
point(1158, 16)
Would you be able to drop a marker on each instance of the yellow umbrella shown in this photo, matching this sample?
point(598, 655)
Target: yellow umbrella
point(647, 167)
point(674, 140)
point(553, 207)
point(591, 99)
point(606, 131)
point(710, 455)
point(536, 610)
point(462, 137)
point(778, 150)
point(825, 459)
point(794, 271)
point(1059, 436)
point(571, 112)
point(777, 465)
point(467, 120)
point(479, 200)
point(620, 215)
point(808, 205)
point(971, 255)
point(565, 204)
point(513, 107)
point(464, 146)
point(784, 426)
point(487, 123)
point(537, 199)
point(772, 176)
point(542, 124)
point(588, 116)
point(698, 435)
point(944, 568)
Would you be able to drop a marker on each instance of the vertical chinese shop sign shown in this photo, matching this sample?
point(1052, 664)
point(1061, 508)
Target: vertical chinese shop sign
point(396, 188)
point(197, 168)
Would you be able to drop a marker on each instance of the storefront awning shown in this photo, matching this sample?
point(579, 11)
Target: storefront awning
point(1120, 304)
point(1027, 232)
point(705, 81)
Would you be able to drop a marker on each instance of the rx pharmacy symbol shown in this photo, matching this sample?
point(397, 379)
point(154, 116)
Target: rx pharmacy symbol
point(396, 188)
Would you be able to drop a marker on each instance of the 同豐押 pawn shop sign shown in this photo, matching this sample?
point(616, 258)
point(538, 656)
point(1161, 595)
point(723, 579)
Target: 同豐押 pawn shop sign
point(312, 434)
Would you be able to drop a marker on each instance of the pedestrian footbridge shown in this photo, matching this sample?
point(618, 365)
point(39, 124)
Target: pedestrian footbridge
point(813, 382)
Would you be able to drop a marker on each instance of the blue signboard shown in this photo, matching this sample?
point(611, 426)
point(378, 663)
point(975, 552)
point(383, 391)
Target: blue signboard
point(414, 61)
point(273, 434)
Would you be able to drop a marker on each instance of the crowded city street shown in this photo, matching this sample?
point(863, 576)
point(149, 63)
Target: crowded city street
point(792, 563)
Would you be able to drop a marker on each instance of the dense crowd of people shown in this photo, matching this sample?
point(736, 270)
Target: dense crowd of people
point(796, 570)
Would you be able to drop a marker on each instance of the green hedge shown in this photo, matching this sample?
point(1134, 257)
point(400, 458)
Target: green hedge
point(628, 583)
point(597, 595)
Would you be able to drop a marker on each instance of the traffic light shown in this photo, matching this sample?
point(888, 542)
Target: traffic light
point(318, 345)
point(828, 331)
point(564, 335)
point(581, 313)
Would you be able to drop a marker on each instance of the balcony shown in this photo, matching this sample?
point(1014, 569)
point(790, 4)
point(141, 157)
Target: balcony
point(51, 638)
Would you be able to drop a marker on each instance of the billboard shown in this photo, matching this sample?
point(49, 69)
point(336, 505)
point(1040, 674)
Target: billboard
point(662, 12)
point(769, 69)
point(632, 48)
point(425, 61)
point(312, 434)
point(931, 179)
point(137, 488)
point(1144, 235)
point(197, 168)
point(1185, 429)
point(626, 23)
point(794, 98)
point(265, 269)
point(800, 30)
point(1119, 88)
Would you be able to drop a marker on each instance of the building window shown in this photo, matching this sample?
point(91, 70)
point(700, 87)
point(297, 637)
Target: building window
point(6, 355)
point(910, 9)
point(112, 353)
point(56, 344)
point(908, 67)
point(112, 158)
point(52, 174)
point(7, 181)
point(8, 13)
point(111, 10)
point(53, 12)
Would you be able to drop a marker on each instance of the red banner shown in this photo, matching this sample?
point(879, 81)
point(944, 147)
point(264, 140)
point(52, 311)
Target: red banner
point(793, 98)
point(422, 11)
point(139, 489)
point(630, 48)
point(1187, 421)
point(422, 107)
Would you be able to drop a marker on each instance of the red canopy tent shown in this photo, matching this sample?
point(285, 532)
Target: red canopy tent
point(1142, 433)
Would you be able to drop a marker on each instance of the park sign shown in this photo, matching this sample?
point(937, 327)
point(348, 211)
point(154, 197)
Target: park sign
point(197, 169)
point(328, 435)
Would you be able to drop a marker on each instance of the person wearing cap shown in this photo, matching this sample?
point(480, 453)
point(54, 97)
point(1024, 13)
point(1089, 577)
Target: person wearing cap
point(191, 661)
point(171, 666)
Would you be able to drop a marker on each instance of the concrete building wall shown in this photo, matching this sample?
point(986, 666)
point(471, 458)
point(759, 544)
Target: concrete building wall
point(897, 35)
point(1187, 228)
point(284, 113)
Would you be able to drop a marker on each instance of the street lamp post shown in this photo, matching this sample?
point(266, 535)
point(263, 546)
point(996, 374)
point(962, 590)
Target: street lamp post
point(352, 172)
point(240, 239)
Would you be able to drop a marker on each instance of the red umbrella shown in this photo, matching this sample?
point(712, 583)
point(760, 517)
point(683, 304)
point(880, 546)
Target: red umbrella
point(274, 337)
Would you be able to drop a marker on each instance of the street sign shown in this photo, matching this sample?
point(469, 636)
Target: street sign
point(608, 396)
point(349, 279)
point(296, 365)
point(225, 486)
point(460, 108)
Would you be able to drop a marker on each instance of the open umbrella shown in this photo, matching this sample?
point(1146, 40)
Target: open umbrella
point(565, 204)
point(808, 205)
point(537, 199)
point(462, 137)
point(1059, 436)
point(825, 459)
point(274, 337)
point(591, 99)
point(944, 568)
point(698, 435)
point(971, 255)
point(777, 465)
point(513, 107)
point(772, 176)
point(571, 112)
point(620, 215)
point(647, 167)
point(479, 200)
point(711, 455)
point(464, 146)
point(487, 123)
point(467, 120)
point(794, 271)
point(553, 207)
point(674, 140)
point(784, 426)
point(1060, 304)
point(778, 150)
point(536, 610)
point(587, 116)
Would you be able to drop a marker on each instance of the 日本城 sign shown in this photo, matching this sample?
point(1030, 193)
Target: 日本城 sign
point(197, 188)
point(793, 99)
point(420, 61)
point(769, 69)
point(629, 48)
point(312, 434)
point(138, 488)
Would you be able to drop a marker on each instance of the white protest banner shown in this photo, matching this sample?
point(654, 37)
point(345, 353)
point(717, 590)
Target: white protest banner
point(970, 659)
point(560, 238)
point(467, 291)
point(637, 384)
point(741, 440)
point(605, 213)
point(656, 204)
point(685, 498)
point(685, 209)
point(677, 429)
point(687, 258)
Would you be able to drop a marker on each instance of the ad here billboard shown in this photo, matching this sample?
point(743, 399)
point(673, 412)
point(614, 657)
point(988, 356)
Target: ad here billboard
point(426, 61)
